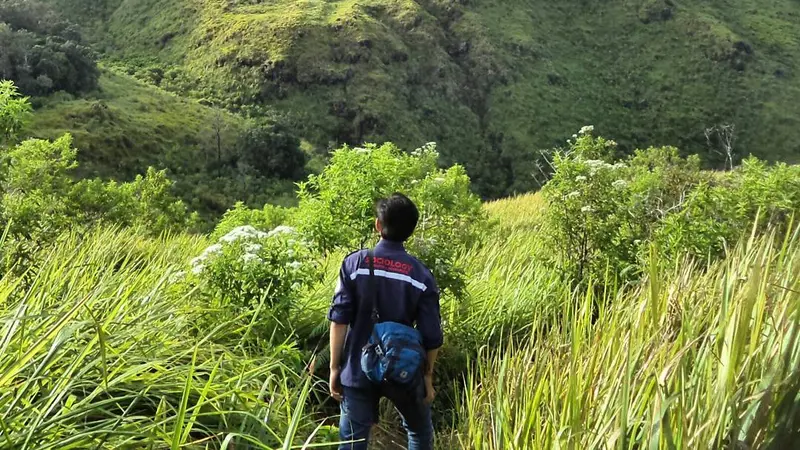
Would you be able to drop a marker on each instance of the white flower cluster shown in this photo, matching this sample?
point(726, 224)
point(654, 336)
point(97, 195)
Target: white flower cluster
point(573, 194)
point(580, 178)
point(251, 250)
point(619, 184)
point(586, 130)
point(245, 232)
point(198, 264)
point(282, 229)
point(596, 165)
point(429, 148)
point(587, 209)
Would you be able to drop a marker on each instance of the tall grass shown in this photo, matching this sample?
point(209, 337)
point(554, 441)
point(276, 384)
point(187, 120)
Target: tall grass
point(100, 352)
point(690, 359)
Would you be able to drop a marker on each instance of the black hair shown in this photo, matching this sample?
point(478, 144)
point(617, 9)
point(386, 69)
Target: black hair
point(398, 216)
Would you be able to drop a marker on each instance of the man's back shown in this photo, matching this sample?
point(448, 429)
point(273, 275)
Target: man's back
point(406, 293)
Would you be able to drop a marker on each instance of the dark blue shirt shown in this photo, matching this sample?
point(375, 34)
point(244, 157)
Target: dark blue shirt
point(406, 293)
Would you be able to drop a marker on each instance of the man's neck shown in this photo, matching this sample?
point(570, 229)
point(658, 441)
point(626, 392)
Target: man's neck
point(390, 245)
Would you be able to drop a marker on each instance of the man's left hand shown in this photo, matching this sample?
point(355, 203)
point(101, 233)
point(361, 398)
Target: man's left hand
point(335, 385)
point(430, 392)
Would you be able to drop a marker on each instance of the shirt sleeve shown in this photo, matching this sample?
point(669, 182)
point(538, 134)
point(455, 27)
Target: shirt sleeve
point(429, 319)
point(342, 307)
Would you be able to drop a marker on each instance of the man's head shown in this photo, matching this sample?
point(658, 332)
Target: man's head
point(397, 217)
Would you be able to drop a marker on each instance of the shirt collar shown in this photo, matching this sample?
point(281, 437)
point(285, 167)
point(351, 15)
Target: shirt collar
point(386, 244)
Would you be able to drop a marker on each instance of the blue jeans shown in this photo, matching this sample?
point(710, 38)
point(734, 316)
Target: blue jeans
point(360, 411)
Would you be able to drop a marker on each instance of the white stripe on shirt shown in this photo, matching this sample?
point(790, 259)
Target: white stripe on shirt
point(391, 276)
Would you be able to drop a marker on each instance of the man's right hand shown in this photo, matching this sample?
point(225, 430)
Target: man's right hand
point(430, 392)
point(335, 384)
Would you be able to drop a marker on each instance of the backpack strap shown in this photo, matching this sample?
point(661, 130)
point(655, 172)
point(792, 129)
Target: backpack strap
point(372, 292)
point(373, 288)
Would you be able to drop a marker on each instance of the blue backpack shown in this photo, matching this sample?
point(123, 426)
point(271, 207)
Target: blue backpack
point(394, 353)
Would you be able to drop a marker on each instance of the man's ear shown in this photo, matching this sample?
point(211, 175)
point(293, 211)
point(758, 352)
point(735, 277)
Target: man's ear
point(378, 226)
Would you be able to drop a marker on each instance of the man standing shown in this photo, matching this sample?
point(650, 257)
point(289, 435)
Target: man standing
point(407, 294)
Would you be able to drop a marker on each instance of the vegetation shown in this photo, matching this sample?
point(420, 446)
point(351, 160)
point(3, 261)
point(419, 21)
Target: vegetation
point(42, 52)
point(39, 200)
point(638, 301)
point(125, 127)
point(112, 337)
point(491, 82)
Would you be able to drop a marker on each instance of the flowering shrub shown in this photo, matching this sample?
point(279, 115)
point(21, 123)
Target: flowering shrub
point(337, 207)
point(602, 215)
point(586, 210)
point(248, 268)
point(602, 212)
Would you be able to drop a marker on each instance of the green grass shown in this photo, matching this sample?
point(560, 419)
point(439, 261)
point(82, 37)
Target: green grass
point(689, 358)
point(126, 126)
point(101, 350)
point(493, 81)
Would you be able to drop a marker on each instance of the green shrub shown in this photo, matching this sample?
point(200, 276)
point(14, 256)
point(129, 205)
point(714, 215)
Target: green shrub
point(272, 150)
point(146, 202)
point(337, 206)
point(715, 215)
point(586, 212)
point(601, 217)
point(33, 181)
point(14, 109)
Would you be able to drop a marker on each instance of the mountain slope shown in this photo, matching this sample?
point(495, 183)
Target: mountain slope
point(125, 126)
point(491, 81)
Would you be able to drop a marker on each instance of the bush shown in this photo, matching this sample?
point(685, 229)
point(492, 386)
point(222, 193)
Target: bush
point(716, 214)
point(14, 110)
point(602, 216)
point(602, 212)
point(272, 150)
point(256, 274)
point(336, 208)
point(146, 202)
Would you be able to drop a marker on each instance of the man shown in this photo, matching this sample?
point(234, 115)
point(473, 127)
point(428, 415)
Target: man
point(407, 293)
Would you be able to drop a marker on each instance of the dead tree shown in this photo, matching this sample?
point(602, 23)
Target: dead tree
point(725, 135)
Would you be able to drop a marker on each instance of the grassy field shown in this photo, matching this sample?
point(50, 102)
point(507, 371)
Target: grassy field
point(101, 350)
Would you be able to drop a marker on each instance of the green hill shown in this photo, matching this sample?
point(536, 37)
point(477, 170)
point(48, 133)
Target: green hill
point(492, 82)
point(125, 126)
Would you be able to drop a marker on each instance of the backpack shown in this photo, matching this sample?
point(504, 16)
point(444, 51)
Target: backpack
point(394, 353)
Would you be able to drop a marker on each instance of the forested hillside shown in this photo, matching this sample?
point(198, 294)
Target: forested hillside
point(493, 82)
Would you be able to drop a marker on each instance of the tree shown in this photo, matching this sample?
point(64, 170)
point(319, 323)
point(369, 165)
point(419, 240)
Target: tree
point(272, 150)
point(725, 137)
point(14, 110)
point(41, 52)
